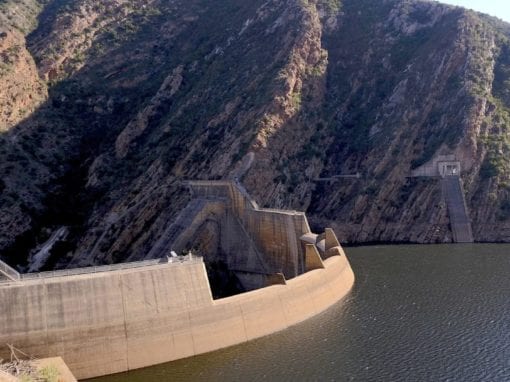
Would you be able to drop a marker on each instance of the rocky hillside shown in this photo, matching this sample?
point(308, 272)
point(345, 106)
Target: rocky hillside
point(22, 90)
point(106, 106)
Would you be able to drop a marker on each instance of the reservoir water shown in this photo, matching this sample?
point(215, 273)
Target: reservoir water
point(416, 313)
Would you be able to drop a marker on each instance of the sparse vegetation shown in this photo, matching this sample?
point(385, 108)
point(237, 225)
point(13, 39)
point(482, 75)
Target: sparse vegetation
point(378, 95)
point(25, 371)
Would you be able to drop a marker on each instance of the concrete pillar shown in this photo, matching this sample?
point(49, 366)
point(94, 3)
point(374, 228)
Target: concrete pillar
point(331, 239)
point(313, 258)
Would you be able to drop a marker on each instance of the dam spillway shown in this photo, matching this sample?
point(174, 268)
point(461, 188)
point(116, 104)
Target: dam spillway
point(108, 320)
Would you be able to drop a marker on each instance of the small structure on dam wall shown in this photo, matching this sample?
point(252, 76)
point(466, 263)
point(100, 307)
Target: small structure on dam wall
point(104, 320)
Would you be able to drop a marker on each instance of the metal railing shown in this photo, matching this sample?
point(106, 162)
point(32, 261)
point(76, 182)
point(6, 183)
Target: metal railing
point(102, 268)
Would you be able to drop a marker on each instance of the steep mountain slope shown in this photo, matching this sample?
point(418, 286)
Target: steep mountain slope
point(144, 94)
point(22, 90)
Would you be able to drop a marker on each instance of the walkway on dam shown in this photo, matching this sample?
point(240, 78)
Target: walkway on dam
point(9, 275)
point(457, 209)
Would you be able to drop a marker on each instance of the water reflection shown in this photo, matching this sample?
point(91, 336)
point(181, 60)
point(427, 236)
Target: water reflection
point(416, 313)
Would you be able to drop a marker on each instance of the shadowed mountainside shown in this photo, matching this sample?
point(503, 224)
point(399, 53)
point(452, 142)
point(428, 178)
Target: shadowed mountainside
point(107, 106)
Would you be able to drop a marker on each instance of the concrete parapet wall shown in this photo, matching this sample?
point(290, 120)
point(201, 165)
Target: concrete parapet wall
point(88, 319)
point(121, 320)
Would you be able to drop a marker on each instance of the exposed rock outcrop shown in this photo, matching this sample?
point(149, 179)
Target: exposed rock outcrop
point(21, 90)
point(281, 93)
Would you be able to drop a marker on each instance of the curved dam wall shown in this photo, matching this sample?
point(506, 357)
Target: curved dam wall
point(105, 320)
point(116, 321)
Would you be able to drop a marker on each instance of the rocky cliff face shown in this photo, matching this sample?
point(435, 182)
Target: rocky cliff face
point(107, 106)
point(22, 90)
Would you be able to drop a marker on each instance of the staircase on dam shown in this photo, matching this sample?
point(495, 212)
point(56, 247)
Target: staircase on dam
point(457, 209)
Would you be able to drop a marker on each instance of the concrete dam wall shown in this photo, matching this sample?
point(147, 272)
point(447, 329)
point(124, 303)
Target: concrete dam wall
point(273, 234)
point(104, 321)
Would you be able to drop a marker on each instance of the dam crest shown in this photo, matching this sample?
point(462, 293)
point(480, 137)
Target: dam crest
point(105, 320)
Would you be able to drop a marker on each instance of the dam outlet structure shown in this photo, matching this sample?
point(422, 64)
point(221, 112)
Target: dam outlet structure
point(261, 271)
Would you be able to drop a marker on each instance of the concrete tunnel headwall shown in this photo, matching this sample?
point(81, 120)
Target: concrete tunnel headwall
point(105, 321)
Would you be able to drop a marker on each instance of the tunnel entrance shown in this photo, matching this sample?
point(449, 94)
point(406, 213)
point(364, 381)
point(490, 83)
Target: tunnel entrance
point(223, 282)
point(207, 242)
